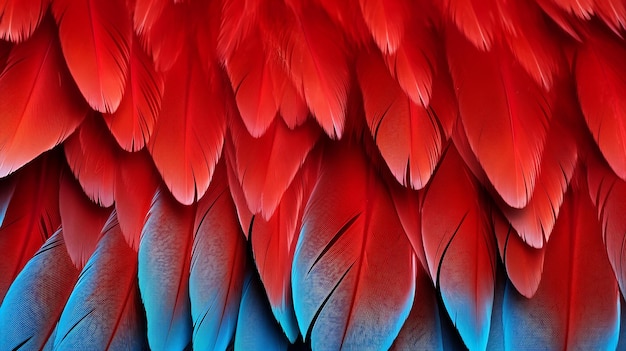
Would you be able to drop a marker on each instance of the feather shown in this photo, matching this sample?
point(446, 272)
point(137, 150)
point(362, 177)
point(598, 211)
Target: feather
point(253, 84)
point(218, 262)
point(33, 304)
point(354, 271)
point(189, 133)
point(163, 31)
point(82, 221)
point(31, 218)
point(267, 165)
point(476, 19)
point(164, 252)
point(534, 222)
point(239, 21)
point(7, 188)
point(569, 24)
point(316, 59)
point(422, 330)
point(574, 292)
point(414, 63)
point(34, 80)
point(291, 104)
point(348, 16)
point(387, 21)
point(146, 13)
point(601, 84)
point(20, 18)
point(524, 264)
point(96, 37)
point(103, 311)
point(580, 8)
point(274, 243)
point(505, 114)
point(607, 192)
point(236, 192)
point(613, 13)
point(406, 133)
point(92, 155)
point(133, 122)
point(256, 329)
point(459, 248)
point(136, 183)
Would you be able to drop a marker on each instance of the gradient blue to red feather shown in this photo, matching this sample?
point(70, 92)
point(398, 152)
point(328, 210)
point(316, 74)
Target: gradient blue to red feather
point(312, 174)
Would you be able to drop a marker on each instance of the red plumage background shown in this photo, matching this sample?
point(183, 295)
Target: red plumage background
point(295, 174)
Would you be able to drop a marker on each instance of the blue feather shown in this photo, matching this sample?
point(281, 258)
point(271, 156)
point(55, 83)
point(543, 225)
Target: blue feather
point(35, 300)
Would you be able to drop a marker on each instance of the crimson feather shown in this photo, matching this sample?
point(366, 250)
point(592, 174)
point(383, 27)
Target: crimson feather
point(505, 113)
point(34, 80)
point(189, 134)
point(387, 21)
point(96, 39)
point(354, 271)
point(19, 18)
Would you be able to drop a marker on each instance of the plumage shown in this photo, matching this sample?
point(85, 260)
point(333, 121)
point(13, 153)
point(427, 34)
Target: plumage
point(600, 82)
point(465, 277)
point(96, 37)
point(133, 122)
point(266, 166)
point(351, 248)
point(35, 79)
point(92, 155)
point(573, 291)
point(217, 268)
point(163, 271)
point(105, 299)
point(81, 219)
point(31, 218)
point(312, 174)
point(19, 19)
point(274, 243)
point(186, 153)
point(506, 116)
point(30, 325)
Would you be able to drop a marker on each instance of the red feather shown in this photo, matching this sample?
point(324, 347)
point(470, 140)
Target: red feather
point(574, 291)
point(354, 270)
point(347, 15)
point(316, 60)
point(274, 244)
point(292, 107)
point(35, 80)
point(408, 204)
point(580, 8)
point(477, 19)
point(165, 38)
point(407, 134)
point(92, 155)
point(189, 133)
point(253, 83)
point(601, 83)
point(267, 165)
point(96, 40)
point(31, 217)
point(523, 263)
point(133, 122)
point(459, 247)
point(82, 221)
point(534, 222)
point(506, 116)
point(613, 13)
point(608, 193)
point(20, 18)
point(135, 185)
point(239, 21)
point(387, 21)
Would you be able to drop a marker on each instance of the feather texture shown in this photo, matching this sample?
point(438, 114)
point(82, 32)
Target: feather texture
point(34, 80)
point(103, 310)
point(33, 304)
point(164, 261)
point(573, 291)
point(217, 268)
point(133, 122)
point(96, 37)
point(387, 21)
point(19, 18)
point(30, 218)
point(351, 249)
point(464, 276)
point(189, 133)
point(505, 114)
point(266, 166)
